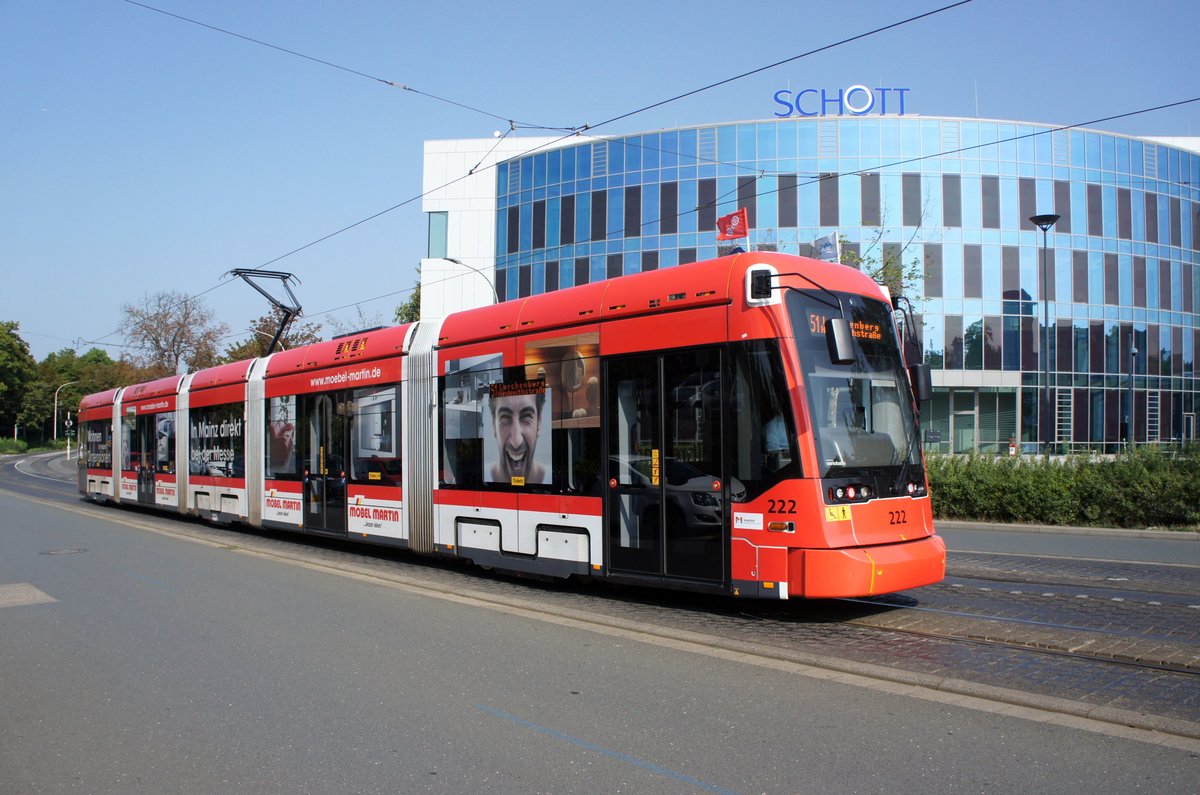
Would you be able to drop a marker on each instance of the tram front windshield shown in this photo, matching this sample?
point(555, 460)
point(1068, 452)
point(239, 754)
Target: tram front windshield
point(861, 411)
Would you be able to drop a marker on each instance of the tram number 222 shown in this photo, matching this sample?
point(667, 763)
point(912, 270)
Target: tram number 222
point(897, 517)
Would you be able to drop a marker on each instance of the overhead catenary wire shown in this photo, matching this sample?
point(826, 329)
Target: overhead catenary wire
point(580, 129)
point(339, 67)
point(872, 168)
point(574, 131)
point(569, 131)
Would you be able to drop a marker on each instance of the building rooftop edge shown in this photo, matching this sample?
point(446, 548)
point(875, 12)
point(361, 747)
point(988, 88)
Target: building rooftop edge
point(1186, 143)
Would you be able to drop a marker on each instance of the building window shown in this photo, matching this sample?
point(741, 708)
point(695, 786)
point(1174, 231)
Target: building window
point(951, 200)
point(1124, 214)
point(513, 223)
point(972, 271)
point(1095, 213)
point(1079, 268)
point(706, 205)
point(954, 342)
point(911, 199)
point(539, 224)
point(633, 211)
point(599, 220)
point(1010, 274)
point(1026, 200)
point(566, 229)
point(933, 270)
point(669, 199)
point(871, 213)
point(787, 201)
point(1176, 227)
point(614, 265)
point(438, 234)
point(829, 200)
point(1111, 282)
point(502, 285)
point(1062, 206)
point(524, 281)
point(991, 202)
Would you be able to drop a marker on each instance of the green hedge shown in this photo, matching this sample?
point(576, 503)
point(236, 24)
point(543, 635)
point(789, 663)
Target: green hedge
point(1149, 487)
point(13, 446)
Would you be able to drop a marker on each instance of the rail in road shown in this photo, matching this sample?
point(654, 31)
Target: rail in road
point(1108, 640)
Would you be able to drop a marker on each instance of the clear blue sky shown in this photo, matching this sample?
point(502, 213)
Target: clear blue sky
point(139, 153)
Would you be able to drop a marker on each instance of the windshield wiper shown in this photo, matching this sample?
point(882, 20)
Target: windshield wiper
point(902, 475)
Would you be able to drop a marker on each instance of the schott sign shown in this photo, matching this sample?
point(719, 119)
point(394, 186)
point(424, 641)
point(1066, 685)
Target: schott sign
point(857, 100)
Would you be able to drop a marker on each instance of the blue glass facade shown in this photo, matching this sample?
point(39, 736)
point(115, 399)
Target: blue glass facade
point(949, 197)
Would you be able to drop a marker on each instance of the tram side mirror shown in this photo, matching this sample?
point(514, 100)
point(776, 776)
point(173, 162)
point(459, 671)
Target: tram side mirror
point(922, 382)
point(839, 340)
point(760, 285)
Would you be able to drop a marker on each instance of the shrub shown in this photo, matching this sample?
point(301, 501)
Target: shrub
point(1151, 486)
point(13, 446)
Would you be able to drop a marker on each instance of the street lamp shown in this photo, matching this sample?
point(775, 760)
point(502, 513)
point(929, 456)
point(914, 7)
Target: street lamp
point(490, 283)
point(56, 407)
point(1044, 222)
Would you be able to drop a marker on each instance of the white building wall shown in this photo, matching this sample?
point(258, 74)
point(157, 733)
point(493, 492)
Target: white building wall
point(459, 178)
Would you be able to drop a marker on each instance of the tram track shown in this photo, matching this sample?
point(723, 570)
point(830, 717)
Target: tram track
point(1066, 640)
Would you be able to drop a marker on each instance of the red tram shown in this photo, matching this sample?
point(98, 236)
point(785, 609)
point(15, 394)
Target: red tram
point(744, 425)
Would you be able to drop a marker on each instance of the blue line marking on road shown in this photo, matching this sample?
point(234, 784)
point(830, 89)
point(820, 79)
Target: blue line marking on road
point(643, 764)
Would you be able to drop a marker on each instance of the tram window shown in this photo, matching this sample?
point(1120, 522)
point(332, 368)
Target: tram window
point(549, 407)
point(98, 436)
point(764, 430)
point(281, 437)
point(463, 389)
point(570, 368)
point(217, 448)
point(129, 455)
point(164, 443)
point(375, 436)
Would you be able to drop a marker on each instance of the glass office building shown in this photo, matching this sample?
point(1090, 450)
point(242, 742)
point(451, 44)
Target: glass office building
point(950, 200)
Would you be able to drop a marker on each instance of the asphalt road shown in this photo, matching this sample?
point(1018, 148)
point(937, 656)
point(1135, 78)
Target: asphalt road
point(135, 660)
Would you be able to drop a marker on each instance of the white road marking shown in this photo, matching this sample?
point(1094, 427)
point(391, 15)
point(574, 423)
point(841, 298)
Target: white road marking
point(22, 593)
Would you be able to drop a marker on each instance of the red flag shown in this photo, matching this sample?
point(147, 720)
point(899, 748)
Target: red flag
point(734, 225)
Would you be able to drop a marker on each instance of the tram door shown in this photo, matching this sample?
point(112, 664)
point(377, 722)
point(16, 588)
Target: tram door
point(145, 461)
point(665, 507)
point(324, 422)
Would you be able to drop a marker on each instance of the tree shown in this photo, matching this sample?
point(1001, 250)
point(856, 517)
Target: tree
point(410, 310)
point(262, 331)
point(98, 371)
point(17, 371)
point(887, 267)
point(360, 322)
point(170, 329)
